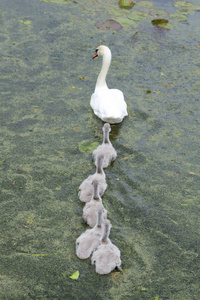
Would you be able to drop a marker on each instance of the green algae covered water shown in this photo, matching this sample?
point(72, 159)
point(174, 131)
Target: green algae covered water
point(48, 131)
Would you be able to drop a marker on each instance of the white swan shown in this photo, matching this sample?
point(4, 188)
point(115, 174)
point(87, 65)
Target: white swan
point(106, 257)
point(85, 189)
point(108, 104)
point(93, 205)
point(106, 149)
point(89, 240)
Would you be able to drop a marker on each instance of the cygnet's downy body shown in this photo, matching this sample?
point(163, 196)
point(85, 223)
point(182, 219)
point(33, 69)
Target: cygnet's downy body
point(90, 239)
point(107, 256)
point(86, 190)
point(106, 149)
point(89, 210)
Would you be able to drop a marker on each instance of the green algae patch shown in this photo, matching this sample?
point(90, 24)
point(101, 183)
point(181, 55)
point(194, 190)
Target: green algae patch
point(87, 146)
point(42, 254)
point(60, 2)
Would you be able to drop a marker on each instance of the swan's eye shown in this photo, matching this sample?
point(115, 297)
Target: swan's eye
point(97, 50)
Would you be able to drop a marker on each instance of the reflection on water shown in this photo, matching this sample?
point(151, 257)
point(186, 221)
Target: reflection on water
point(47, 78)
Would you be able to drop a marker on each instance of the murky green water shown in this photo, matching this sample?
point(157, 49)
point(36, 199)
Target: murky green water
point(47, 78)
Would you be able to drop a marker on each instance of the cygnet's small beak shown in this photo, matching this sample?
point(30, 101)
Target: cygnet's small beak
point(96, 55)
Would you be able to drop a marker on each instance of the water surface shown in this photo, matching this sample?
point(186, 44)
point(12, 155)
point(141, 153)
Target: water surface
point(47, 78)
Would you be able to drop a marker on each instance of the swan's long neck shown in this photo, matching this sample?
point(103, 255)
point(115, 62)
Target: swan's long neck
point(99, 168)
point(96, 191)
point(101, 80)
point(106, 136)
point(99, 217)
point(106, 231)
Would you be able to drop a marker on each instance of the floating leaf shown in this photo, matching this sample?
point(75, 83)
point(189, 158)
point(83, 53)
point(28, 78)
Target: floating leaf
point(137, 15)
point(157, 22)
point(87, 146)
point(145, 4)
point(82, 78)
point(58, 188)
point(155, 298)
point(162, 23)
point(184, 204)
point(118, 11)
point(126, 3)
point(108, 25)
point(182, 4)
point(75, 276)
point(196, 7)
point(165, 26)
point(178, 17)
point(142, 288)
point(158, 13)
point(25, 22)
point(185, 11)
point(125, 22)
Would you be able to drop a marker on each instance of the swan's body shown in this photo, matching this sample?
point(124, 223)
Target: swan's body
point(108, 104)
point(89, 240)
point(106, 149)
point(107, 256)
point(89, 210)
point(86, 190)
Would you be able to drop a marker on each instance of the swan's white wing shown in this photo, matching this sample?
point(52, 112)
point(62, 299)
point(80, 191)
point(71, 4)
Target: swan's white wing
point(109, 105)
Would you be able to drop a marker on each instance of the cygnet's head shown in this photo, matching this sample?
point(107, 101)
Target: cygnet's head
point(106, 127)
point(101, 51)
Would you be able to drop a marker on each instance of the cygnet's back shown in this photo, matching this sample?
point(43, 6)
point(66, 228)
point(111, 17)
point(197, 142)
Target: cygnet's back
point(90, 239)
point(86, 190)
point(107, 256)
point(95, 203)
point(106, 149)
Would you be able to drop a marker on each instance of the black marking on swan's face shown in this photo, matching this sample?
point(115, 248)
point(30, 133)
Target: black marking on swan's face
point(96, 53)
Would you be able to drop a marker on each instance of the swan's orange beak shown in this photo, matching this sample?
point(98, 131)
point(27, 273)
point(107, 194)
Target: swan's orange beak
point(96, 55)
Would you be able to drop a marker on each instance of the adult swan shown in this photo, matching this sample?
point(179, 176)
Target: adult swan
point(108, 104)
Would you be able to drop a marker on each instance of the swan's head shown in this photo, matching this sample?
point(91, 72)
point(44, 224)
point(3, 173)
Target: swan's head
point(101, 50)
